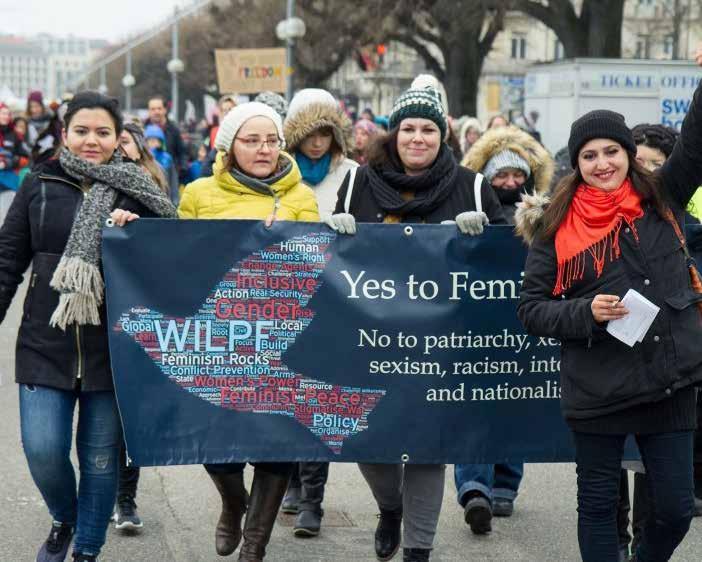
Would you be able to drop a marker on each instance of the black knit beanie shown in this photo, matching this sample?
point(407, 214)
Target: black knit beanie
point(599, 124)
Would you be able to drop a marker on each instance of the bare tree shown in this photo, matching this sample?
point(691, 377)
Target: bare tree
point(335, 29)
point(453, 37)
point(595, 32)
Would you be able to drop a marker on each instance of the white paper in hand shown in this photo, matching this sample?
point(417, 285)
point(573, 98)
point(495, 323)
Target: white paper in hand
point(633, 327)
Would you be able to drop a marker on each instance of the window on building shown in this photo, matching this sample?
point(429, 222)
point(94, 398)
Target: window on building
point(668, 46)
point(643, 50)
point(519, 46)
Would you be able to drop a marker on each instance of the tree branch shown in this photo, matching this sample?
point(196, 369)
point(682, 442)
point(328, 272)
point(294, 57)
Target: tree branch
point(422, 50)
point(494, 29)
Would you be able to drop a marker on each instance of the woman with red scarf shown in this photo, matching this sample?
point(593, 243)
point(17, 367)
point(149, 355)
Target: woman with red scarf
point(609, 228)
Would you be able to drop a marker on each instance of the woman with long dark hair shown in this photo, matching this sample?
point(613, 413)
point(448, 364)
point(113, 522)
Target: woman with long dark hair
point(412, 177)
point(611, 227)
point(62, 359)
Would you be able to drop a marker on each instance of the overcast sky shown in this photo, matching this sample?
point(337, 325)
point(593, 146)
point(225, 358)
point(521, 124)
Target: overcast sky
point(99, 19)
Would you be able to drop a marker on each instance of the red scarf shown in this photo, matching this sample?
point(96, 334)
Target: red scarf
point(592, 225)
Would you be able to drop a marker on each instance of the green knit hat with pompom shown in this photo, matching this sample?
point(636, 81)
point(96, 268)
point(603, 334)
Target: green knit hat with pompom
point(422, 103)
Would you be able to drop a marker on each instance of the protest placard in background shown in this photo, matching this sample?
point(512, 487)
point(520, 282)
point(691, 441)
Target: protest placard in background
point(249, 71)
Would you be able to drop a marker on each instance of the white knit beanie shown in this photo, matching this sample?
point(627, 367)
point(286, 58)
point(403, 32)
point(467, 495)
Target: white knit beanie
point(505, 159)
point(310, 96)
point(234, 120)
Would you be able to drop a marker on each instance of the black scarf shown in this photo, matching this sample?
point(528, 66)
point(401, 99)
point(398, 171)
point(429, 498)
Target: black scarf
point(514, 196)
point(430, 188)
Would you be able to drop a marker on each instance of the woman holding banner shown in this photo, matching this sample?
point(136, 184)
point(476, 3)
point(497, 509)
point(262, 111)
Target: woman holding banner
point(611, 227)
point(62, 356)
point(412, 177)
point(253, 179)
point(515, 164)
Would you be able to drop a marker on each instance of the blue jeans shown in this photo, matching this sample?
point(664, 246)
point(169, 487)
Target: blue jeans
point(668, 461)
point(46, 419)
point(492, 480)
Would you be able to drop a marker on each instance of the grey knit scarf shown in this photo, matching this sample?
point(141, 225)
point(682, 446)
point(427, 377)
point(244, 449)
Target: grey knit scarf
point(78, 277)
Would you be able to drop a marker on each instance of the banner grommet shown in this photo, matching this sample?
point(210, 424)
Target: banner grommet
point(405, 458)
point(409, 231)
point(109, 222)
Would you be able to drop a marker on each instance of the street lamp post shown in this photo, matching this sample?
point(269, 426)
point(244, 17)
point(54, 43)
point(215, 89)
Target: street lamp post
point(288, 30)
point(128, 82)
point(175, 66)
point(102, 88)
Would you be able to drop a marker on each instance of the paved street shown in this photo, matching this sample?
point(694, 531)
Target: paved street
point(179, 506)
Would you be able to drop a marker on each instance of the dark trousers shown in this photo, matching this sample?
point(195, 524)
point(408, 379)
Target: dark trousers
point(668, 461)
point(128, 477)
point(698, 448)
point(310, 478)
point(280, 468)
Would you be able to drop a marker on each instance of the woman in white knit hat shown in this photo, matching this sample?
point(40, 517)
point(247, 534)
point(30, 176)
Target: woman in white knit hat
point(253, 179)
point(319, 135)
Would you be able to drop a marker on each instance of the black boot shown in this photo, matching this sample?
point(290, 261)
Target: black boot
point(234, 499)
point(388, 534)
point(267, 493)
point(308, 522)
point(415, 554)
point(313, 479)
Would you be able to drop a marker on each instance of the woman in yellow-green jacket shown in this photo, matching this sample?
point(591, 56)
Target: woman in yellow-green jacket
point(253, 179)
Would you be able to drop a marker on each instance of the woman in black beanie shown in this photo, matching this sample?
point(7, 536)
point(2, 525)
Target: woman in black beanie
point(611, 227)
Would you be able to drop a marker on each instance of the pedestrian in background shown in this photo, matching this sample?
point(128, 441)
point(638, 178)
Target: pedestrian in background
point(612, 226)
point(133, 145)
point(364, 132)
point(173, 140)
point(318, 135)
point(225, 104)
point(470, 132)
point(62, 357)
point(412, 177)
point(37, 115)
point(515, 165)
point(498, 120)
point(12, 158)
point(155, 140)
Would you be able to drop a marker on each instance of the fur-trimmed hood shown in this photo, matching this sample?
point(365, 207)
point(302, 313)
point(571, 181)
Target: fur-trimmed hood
point(315, 116)
point(511, 138)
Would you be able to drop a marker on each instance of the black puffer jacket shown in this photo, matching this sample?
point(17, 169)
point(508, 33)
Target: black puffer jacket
point(35, 232)
point(599, 374)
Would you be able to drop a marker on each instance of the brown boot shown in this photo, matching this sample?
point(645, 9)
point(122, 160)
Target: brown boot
point(267, 493)
point(234, 500)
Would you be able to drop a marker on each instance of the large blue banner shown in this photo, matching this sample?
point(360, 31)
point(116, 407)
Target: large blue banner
point(233, 342)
